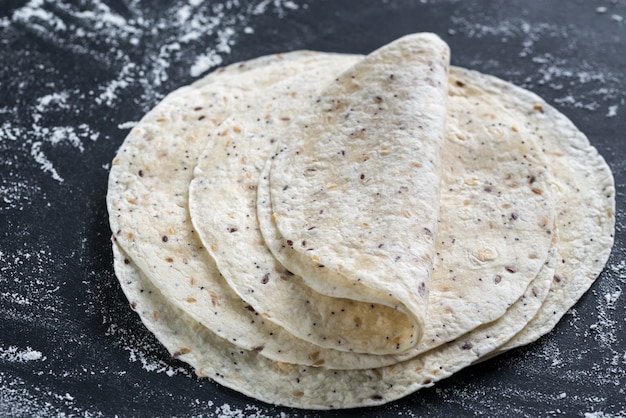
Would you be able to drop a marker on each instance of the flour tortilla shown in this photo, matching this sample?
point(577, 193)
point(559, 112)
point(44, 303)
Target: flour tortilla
point(584, 195)
point(363, 324)
point(223, 193)
point(147, 204)
point(496, 224)
point(306, 387)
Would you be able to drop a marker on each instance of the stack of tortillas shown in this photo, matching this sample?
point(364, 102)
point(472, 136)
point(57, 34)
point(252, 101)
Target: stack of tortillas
point(330, 231)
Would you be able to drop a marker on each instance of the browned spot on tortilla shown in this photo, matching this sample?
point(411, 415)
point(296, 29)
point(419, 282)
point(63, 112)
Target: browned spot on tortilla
point(283, 368)
point(215, 298)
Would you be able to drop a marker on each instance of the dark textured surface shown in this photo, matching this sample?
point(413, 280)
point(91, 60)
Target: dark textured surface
point(70, 76)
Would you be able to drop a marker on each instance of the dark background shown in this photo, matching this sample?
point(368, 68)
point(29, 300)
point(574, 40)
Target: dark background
point(74, 75)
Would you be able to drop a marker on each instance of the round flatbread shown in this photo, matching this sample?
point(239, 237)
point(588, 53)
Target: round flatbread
point(354, 181)
point(496, 256)
point(304, 386)
point(223, 196)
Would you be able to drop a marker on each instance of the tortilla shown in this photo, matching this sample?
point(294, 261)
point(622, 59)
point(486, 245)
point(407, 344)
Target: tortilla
point(584, 194)
point(494, 230)
point(357, 323)
point(222, 204)
point(496, 220)
point(493, 174)
point(371, 141)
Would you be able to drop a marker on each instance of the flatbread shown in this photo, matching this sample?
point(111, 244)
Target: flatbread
point(496, 220)
point(494, 230)
point(494, 174)
point(371, 141)
point(357, 323)
point(584, 194)
point(222, 206)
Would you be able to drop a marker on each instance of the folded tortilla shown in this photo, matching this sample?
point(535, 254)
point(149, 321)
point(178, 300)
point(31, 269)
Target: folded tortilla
point(354, 182)
point(351, 318)
point(480, 268)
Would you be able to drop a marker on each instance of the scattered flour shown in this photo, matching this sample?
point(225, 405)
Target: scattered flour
point(14, 354)
point(142, 351)
point(584, 84)
point(612, 112)
point(189, 34)
point(127, 125)
point(204, 62)
point(601, 414)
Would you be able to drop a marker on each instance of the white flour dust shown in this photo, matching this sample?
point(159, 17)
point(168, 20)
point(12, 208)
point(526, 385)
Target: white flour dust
point(578, 84)
point(15, 354)
point(138, 50)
